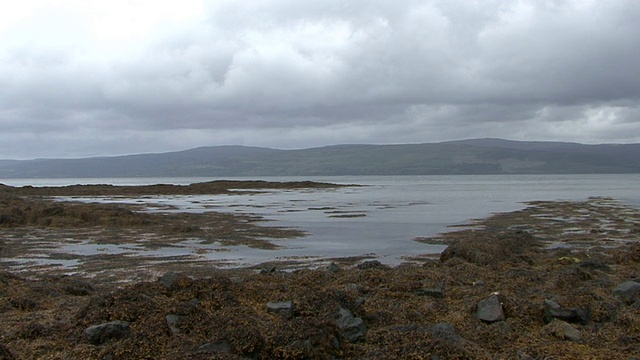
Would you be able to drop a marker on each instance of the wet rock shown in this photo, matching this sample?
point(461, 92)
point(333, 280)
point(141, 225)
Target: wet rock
point(172, 322)
point(333, 267)
point(99, 334)
point(594, 264)
point(283, 308)
point(171, 279)
point(563, 330)
point(628, 291)
point(354, 328)
point(221, 347)
point(490, 309)
point(430, 292)
point(553, 310)
point(268, 270)
point(369, 264)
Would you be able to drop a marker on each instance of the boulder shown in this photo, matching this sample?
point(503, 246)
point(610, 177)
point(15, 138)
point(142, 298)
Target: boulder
point(221, 347)
point(490, 309)
point(354, 328)
point(172, 322)
point(283, 308)
point(333, 267)
point(628, 291)
point(172, 280)
point(563, 330)
point(369, 264)
point(553, 310)
point(430, 292)
point(99, 334)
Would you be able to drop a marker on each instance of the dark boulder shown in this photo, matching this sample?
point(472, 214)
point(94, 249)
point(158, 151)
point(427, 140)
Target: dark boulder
point(553, 310)
point(628, 291)
point(490, 309)
point(99, 334)
point(354, 328)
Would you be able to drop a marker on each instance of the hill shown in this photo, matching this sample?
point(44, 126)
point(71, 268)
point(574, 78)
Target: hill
point(476, 156)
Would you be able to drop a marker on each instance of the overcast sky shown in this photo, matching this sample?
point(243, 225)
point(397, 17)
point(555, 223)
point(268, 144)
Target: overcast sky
point(83, 78)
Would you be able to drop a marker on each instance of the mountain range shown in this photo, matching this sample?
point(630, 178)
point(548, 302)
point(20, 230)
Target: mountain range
point(475, 156)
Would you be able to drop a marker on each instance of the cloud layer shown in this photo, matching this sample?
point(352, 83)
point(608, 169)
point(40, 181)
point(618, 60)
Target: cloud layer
point(115, 78)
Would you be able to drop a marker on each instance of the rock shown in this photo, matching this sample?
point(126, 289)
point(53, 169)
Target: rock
point(5, 353)
point(284, 308)
point(594, 264)
point(172, 321)
point(490, 309)
point(221, 347)
point(553, 310)
point(268, 270)
point(563, 330)
point(99, 334)
point(333, 267)
point(369, 264)
point(171, 279)
point(628, 291)
point(430, 292)
point(354, 328)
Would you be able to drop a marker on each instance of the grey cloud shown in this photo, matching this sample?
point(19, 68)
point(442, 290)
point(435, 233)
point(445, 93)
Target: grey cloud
point(336, 71)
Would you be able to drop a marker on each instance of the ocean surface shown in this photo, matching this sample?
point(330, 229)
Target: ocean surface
point(381, 218)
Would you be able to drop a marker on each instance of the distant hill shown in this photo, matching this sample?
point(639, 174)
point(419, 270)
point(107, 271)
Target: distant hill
point(476, 156)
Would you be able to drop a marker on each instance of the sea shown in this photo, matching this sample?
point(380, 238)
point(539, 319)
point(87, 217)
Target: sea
point(381, 218)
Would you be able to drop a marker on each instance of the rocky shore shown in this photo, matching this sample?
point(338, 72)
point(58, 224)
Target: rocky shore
point(556, 280)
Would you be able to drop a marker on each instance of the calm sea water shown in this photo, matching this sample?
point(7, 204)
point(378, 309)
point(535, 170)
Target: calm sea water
point(381, 218)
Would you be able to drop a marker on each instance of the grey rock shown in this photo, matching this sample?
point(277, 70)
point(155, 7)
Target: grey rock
point(221, 347)
point(333, 267)
point(553, 310)
point(172, 321)
point(170, 279)
point(430, 292)
point(594, 264)
point(354, 328)
point(490, 309)
point(99, 334)
point(369, 264)
point(563, 330)
point(284, 308)
point(628, 291)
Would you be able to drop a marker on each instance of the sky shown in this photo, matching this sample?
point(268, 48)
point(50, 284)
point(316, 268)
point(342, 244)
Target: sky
point(85, 78)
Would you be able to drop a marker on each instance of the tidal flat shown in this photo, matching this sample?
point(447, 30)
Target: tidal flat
point(558, 277)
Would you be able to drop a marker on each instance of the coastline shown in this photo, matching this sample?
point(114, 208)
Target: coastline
point(571, 254)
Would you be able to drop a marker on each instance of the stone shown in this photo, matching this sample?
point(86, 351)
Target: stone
point(430, 292)
point(490, 309)
point(169, 279)
point(221, 347)
point(99, 334)
point(354, 328)
point(284, 308)
point(369, 264)
point(172, 321)
point(553, 310)
point(628, 291)
point(333, 267)
point(563, 330)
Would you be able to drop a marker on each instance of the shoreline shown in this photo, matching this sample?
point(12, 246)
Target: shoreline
point(551, 270)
